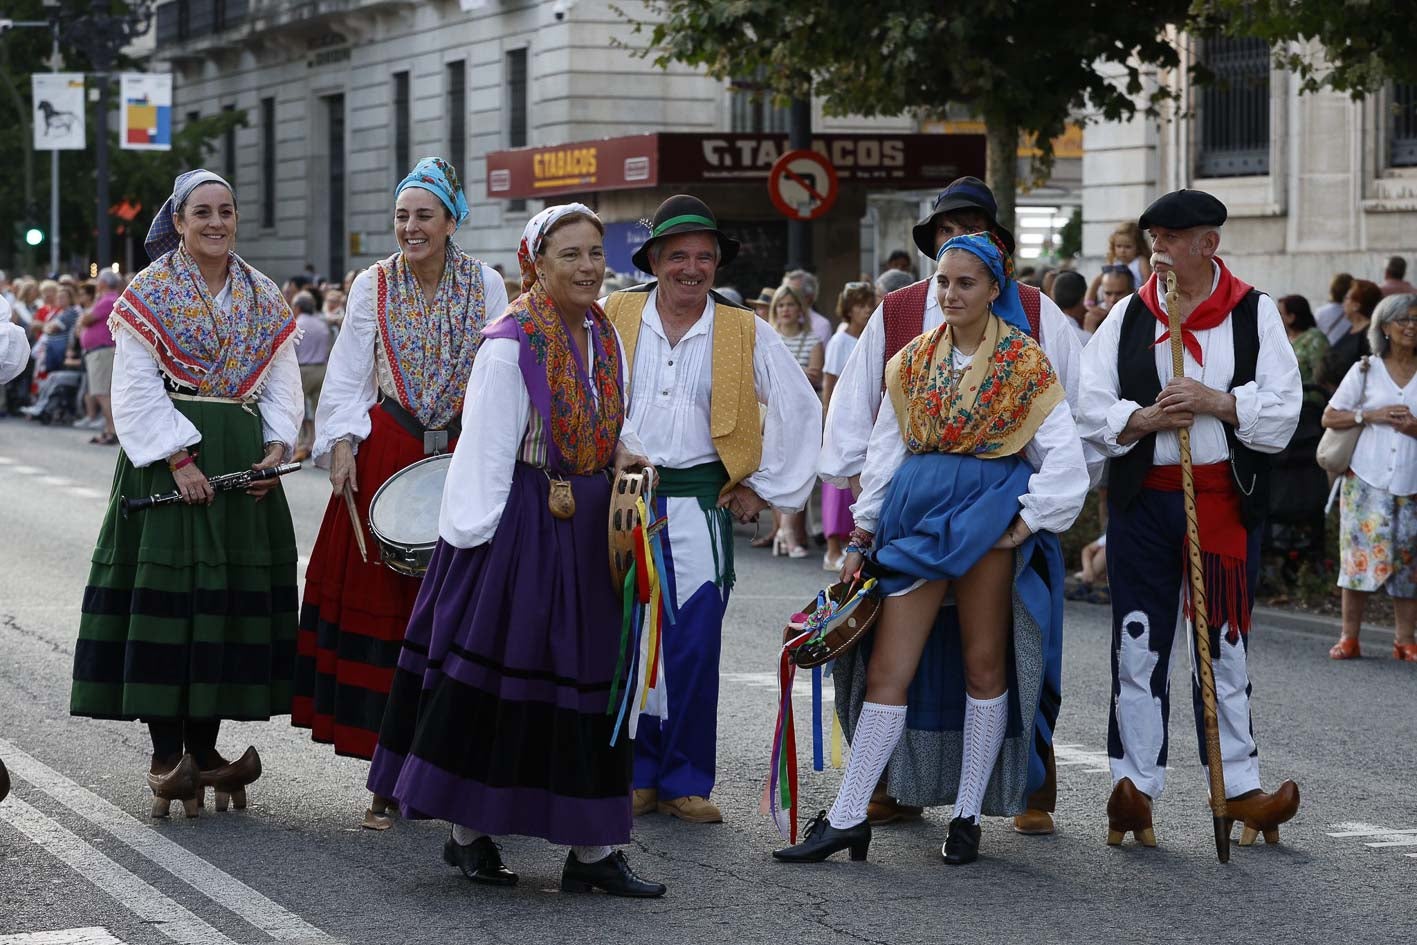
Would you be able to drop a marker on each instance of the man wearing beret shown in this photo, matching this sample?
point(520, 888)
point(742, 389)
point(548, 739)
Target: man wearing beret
point(1240, 397)
point(699, 368)
point(967, 205)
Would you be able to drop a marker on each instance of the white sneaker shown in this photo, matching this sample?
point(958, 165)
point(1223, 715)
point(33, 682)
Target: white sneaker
point(93, 423)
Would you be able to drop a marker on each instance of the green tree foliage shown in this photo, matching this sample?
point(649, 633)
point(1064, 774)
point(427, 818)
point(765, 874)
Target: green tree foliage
point(1353, 46)
point(143, 177)
point(1021, 65)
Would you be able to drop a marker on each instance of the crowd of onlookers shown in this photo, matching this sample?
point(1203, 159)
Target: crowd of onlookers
point(1355, 354)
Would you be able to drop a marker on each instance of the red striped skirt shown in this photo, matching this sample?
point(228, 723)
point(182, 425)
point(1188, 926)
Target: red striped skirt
point(353, 614)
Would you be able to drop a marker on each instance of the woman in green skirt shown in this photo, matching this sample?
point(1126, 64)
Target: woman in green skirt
point(189, 616)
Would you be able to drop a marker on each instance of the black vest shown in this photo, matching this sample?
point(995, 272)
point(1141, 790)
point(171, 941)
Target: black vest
point(1139, 382)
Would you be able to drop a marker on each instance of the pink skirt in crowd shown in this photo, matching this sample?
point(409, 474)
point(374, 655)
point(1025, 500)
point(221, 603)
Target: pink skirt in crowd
point(836, 511)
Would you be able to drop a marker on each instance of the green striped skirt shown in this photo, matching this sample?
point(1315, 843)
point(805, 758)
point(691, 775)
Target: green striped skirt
point(191, 611)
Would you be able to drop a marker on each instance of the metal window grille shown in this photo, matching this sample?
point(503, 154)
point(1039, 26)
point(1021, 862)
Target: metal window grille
point(516, 98)
point(752, 109)
point(402, 124)
point(1233, 119)
point(268, 162)
point(1402, 150)
point(166, 26)
point(334, 105)
point(228, 148)
point(457, 114)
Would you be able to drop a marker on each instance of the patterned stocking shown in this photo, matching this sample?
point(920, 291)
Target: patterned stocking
point(877, 732)
point(984, 723)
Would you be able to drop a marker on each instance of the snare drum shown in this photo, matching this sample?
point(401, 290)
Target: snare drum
point(403, 515)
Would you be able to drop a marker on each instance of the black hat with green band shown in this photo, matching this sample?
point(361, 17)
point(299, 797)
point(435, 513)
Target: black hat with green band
point(685, 214)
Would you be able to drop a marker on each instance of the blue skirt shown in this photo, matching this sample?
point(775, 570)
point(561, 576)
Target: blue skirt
point(942, 513)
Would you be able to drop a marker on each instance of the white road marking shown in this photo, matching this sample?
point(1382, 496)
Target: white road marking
point(222, 888)
point(56, 481)
point(128, 890)
point(29, 470)
point(84, 492)
point(1096, 762)
point(769, 681)
point(89, 936)
point(6, 461)
point(1368, 830)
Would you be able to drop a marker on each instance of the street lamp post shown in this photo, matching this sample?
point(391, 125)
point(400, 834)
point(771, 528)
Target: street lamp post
point(102, 34)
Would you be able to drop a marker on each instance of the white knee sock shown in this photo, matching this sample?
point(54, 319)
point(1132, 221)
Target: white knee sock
point(462, 836)
point(984, 723)
point(591, 854)
point(877, 732)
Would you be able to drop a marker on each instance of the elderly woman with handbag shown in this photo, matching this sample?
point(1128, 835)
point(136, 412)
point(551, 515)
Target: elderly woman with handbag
point(1371, 442)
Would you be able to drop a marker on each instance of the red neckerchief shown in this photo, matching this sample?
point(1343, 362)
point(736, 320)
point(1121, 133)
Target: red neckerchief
point(1210, 313)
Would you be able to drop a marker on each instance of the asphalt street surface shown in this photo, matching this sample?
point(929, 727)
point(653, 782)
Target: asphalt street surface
point(78, 852)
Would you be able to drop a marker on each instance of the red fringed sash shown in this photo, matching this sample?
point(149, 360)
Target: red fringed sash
point(1224, 544)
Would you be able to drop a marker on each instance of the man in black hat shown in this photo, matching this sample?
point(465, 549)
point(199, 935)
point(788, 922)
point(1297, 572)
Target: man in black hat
point(965, 206)
point(699, 368)
point(1240, 397)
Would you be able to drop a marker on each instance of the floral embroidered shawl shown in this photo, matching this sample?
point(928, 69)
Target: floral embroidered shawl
point(430, 348)
point(992, 410)
point(169, 308)
point(583, 429)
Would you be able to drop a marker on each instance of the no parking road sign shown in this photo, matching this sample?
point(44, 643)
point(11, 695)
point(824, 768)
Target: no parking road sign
point(802, 185)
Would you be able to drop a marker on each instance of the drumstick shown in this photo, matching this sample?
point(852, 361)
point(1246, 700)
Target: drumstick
point(354, 521)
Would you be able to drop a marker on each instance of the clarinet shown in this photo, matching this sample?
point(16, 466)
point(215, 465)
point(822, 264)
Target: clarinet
point(226, 482)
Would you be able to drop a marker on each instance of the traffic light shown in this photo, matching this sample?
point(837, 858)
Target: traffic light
point(34, 236)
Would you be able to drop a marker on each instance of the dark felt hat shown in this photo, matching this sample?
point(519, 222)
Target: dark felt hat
point(1183, 209)
point(965, 193)
point(683, 213)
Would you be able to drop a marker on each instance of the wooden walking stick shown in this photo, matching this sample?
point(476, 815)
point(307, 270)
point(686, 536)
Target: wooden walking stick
point(1201, 622)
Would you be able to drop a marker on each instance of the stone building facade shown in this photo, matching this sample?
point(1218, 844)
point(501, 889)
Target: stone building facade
point(343, 96)
point(1316, 184)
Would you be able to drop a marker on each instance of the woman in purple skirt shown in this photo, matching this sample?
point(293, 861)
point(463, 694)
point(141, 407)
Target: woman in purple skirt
point(497, 717)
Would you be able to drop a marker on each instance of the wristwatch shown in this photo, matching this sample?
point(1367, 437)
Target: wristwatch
point(1358, 417)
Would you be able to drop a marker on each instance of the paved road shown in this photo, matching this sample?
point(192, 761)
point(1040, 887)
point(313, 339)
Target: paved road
point(77, 852)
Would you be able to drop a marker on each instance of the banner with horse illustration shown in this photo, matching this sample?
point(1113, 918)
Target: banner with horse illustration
point(59, 111)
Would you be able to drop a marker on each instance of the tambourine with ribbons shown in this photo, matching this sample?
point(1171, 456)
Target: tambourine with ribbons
point(637, 568)
point(827, 627)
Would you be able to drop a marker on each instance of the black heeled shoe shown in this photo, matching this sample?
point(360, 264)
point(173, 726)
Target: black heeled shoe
point(611, 875)
point(480, 861)
point(821, 840)
point(962, 844)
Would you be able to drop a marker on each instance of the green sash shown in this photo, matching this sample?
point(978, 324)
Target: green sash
point(704, 482)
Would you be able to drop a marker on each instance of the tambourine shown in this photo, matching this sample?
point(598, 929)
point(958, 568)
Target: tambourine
point(841, 631)
point(625, 492)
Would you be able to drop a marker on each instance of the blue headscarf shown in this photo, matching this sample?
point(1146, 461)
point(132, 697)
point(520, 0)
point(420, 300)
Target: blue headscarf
point(438, 177)
point(1001, 266)
point(162, 235)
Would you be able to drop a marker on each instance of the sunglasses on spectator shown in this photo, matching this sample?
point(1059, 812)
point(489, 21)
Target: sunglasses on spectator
point(1404, 320)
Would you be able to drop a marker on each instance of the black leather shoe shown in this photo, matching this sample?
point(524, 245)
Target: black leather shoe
point(479, 861)
point(821, 840)
point(612, 875)
point(4, 781)
point(962, 844)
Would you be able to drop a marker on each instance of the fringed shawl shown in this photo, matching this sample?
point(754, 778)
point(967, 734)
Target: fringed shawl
point(198, 344)
point(992, 410)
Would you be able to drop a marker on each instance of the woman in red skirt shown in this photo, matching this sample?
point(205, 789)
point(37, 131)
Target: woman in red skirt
point(399, 369)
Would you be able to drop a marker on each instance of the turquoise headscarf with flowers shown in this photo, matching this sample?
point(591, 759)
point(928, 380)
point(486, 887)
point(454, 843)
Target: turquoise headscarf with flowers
point(1001, 266)
point(439, 178)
